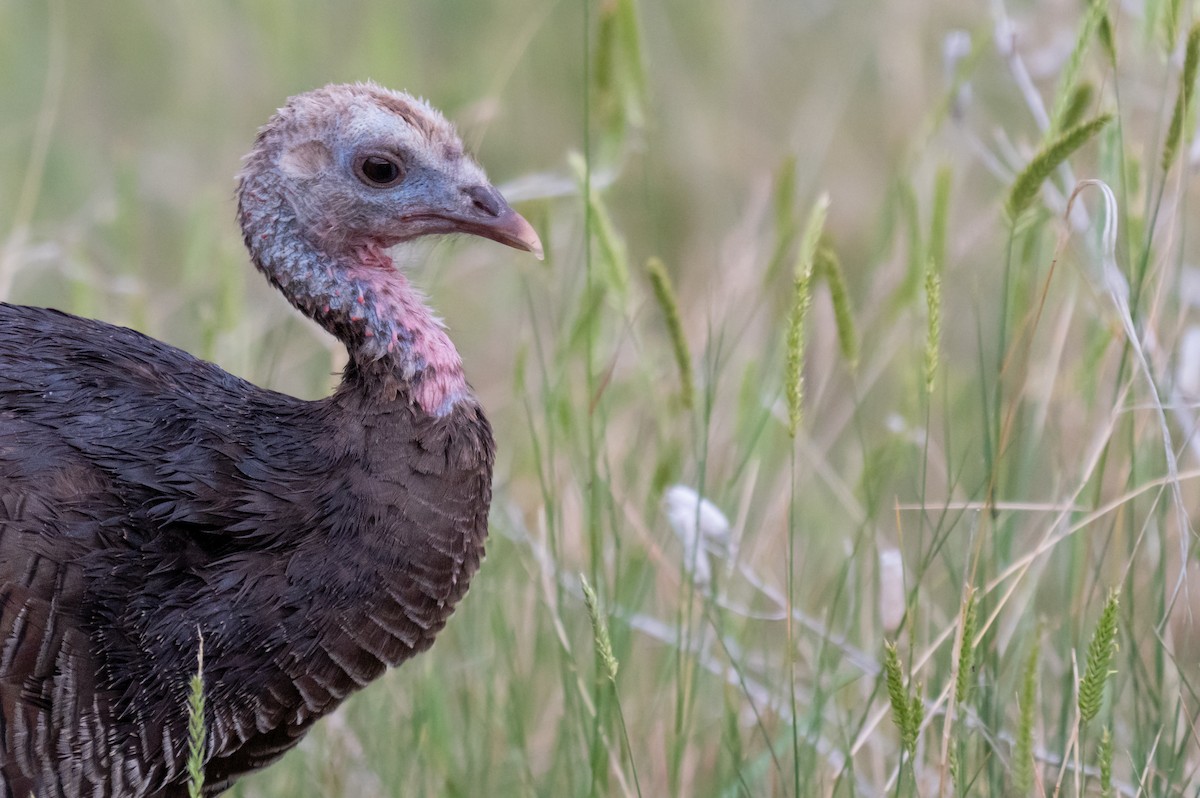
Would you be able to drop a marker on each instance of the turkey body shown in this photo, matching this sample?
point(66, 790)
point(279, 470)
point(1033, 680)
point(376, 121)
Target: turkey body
point(154, 508)
point(142, 494)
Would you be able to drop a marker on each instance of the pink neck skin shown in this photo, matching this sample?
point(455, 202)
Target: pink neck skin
point(416, 340)
point(357, 295)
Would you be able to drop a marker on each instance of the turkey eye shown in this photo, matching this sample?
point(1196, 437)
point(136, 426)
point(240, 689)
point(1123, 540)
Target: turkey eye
point(379, 171)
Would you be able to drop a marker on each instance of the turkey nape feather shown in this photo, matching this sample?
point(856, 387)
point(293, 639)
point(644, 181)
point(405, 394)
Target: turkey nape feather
point(149, 499)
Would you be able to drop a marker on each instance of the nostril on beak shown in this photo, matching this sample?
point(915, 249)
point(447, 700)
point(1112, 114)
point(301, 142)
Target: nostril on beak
point(486, 199)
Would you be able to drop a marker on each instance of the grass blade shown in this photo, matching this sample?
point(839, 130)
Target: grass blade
point(1023, 764)
point(1099, 658)
point(1097, 11)
point(801, 298)
point(1183, 99)
point(1027, 184)
point(197, 732)
point(664, 294)
point(829, 268)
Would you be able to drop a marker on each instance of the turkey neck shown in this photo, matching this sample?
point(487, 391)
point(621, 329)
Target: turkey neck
point(356, 294)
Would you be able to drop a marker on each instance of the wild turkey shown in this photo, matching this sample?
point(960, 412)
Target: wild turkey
point(148, 498)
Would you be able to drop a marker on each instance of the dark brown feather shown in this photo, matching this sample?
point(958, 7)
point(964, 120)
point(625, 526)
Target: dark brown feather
point(147, 497)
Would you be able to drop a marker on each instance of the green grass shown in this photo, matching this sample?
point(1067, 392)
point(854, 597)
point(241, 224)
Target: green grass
point(990, 386)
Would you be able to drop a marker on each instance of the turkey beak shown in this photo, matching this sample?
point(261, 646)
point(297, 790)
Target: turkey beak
point(491, 217)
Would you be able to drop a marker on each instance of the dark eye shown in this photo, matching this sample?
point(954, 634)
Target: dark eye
point(377, 170)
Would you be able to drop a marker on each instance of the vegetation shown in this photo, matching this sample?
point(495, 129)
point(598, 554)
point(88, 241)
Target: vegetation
point(1000, 375)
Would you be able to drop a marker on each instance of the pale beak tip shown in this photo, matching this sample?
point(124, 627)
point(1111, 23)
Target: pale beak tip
point(525, 237)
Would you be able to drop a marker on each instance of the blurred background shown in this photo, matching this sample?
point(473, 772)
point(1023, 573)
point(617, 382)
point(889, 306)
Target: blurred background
point(972, 418)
